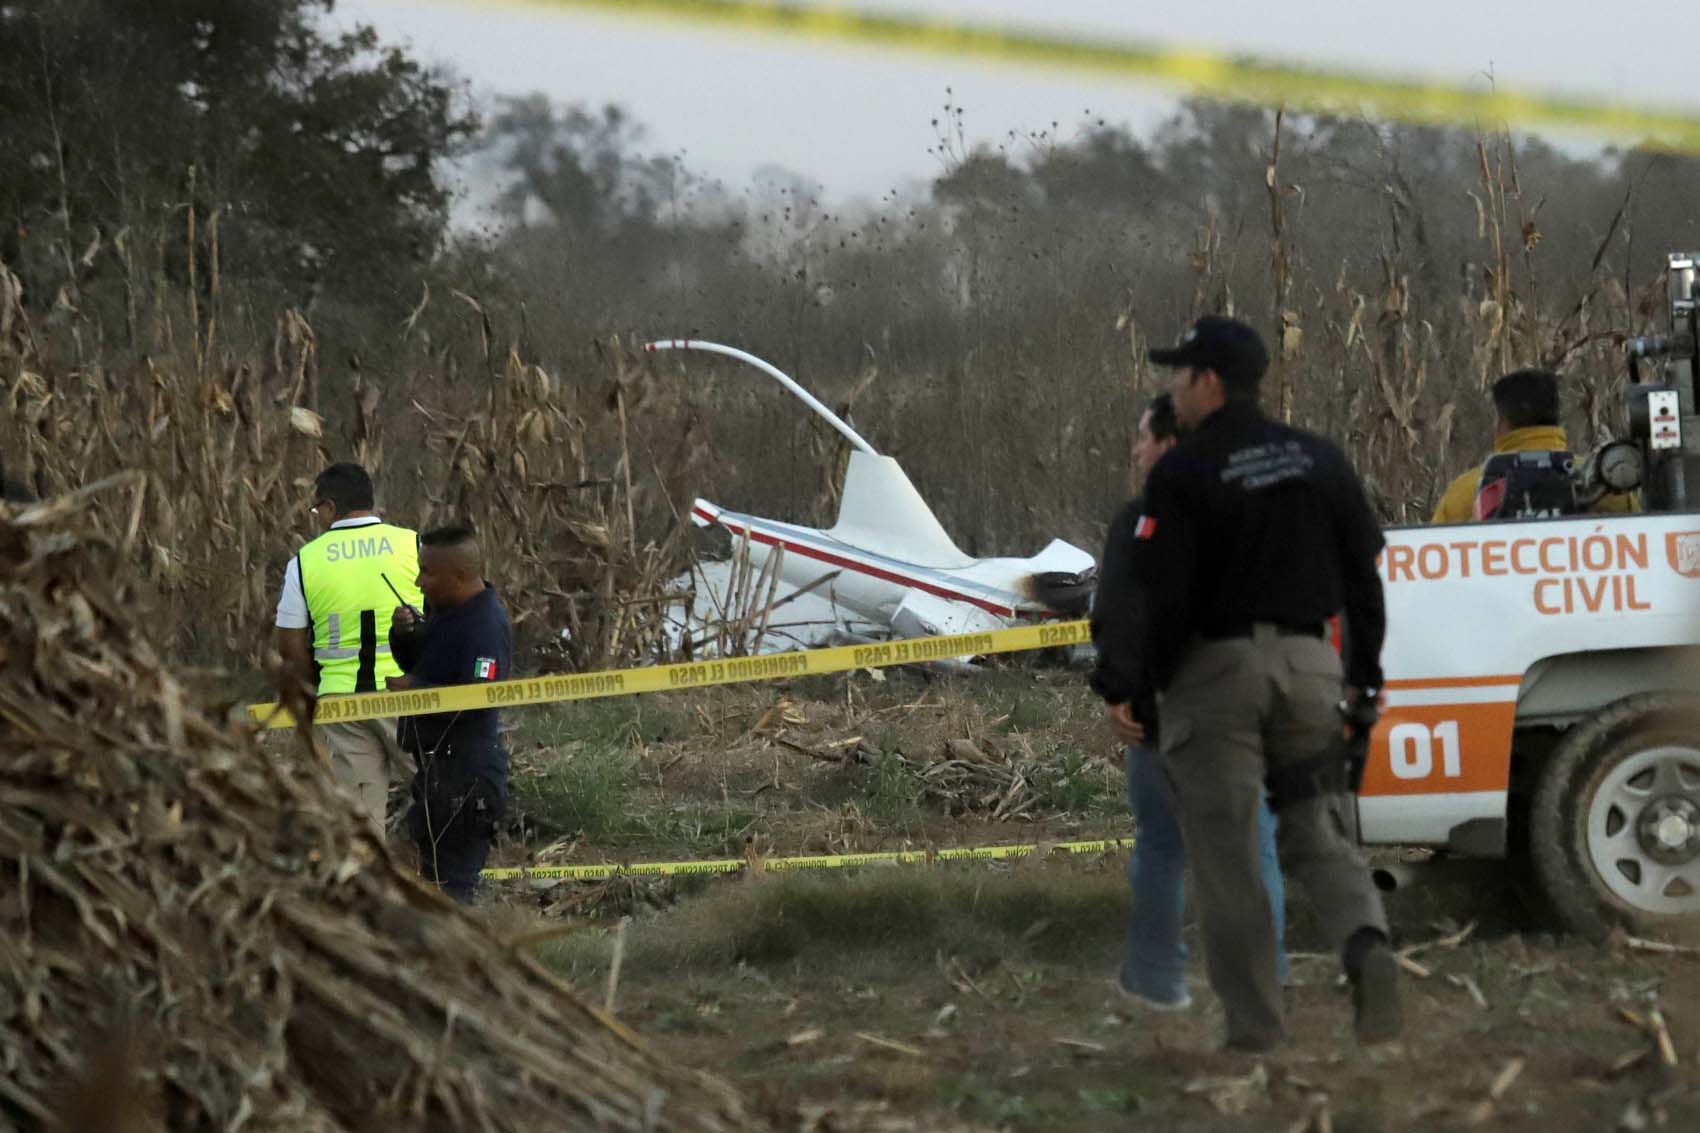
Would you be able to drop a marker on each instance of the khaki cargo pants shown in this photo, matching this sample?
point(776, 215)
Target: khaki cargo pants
point(362, 754)
point(1235, 709)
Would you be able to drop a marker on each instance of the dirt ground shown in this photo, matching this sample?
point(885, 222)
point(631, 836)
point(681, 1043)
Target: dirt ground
point(1034, 1038)
point(980, 995)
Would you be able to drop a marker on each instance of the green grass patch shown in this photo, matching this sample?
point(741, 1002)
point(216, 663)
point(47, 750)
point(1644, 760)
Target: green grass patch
point(1042, 911)
point(577, 765)
point(621, 721)
point(583, 790)
point(1079, 784)
point(695, 830)
point(1033, 711)
point(892, 788)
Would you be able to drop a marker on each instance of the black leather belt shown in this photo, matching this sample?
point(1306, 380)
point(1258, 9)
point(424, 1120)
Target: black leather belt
point(1317, 630)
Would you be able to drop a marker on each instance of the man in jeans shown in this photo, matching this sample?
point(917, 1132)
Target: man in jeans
point(1153, 967)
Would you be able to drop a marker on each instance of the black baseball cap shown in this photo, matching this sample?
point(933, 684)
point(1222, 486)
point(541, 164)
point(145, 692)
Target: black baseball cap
point(1228, 346)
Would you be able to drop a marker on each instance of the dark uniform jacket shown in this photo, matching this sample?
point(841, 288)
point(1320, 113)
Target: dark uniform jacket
point(1247, 520)
point(470, 642)
point(1118, 624)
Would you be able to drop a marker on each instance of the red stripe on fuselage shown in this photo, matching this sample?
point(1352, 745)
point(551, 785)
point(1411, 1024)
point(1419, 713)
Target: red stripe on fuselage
point(816, 553)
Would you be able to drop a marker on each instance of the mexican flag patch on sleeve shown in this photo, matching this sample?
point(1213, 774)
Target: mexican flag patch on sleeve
point(484, 669)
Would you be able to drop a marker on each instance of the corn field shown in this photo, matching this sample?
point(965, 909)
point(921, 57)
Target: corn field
point(226, 453)
point(577, 459)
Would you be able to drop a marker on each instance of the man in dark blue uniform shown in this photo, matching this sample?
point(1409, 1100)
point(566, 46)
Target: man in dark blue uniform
point(1153, 969)
point(460, 788)
point(1254, 535)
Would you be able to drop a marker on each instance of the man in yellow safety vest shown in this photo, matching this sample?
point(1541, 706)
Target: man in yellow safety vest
point(333, 619)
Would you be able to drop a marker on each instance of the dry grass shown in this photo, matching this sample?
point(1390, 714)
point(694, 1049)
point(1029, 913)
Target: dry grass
point(227, 451)
point(981, 995)
point(818, 765)
point(907, 914)
point(212, 933)
point(1014, 422)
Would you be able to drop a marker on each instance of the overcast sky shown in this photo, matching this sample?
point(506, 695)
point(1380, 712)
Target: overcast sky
point(857, 119)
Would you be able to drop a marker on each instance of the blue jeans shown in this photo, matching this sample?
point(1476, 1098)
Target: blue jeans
point(1154, 961)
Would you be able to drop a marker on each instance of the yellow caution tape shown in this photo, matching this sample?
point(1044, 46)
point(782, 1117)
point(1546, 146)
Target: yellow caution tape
point(666, 678)
point(823, 861)
point(1201, 72)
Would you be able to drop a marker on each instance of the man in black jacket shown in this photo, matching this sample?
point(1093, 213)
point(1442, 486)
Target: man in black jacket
point(460, 788)
point(1254, 534)
point(1153, 968)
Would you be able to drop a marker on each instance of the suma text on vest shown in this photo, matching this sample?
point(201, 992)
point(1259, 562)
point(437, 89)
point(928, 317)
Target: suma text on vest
point(358, 549)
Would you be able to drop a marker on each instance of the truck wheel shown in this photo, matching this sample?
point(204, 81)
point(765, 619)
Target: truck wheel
point(1614, 830)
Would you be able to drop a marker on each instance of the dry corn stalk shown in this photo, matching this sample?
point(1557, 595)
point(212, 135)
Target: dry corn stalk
point(222, 904)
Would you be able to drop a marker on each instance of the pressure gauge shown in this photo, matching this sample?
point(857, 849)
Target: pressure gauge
point(1621, 466)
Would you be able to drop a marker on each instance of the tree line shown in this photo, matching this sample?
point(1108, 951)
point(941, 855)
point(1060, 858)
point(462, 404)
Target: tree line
point(183, 173)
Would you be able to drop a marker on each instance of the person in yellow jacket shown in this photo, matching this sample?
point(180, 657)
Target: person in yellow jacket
point(333, 620)
point(1526, 412)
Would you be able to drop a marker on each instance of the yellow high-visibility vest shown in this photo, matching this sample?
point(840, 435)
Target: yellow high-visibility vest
point(342, 579)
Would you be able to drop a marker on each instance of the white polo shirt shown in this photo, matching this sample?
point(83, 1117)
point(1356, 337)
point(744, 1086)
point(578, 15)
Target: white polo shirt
point(292, 601)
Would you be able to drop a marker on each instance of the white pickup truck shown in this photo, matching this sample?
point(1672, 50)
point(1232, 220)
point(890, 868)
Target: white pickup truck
point(1543, 695)
point(1543, 675)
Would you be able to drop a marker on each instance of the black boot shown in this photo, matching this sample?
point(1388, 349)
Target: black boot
point(1374, 973)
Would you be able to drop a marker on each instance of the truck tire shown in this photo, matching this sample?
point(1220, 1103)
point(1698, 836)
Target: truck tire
point(1614, 829)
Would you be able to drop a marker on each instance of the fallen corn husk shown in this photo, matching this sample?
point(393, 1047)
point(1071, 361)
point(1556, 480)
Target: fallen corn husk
point(202, 927)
